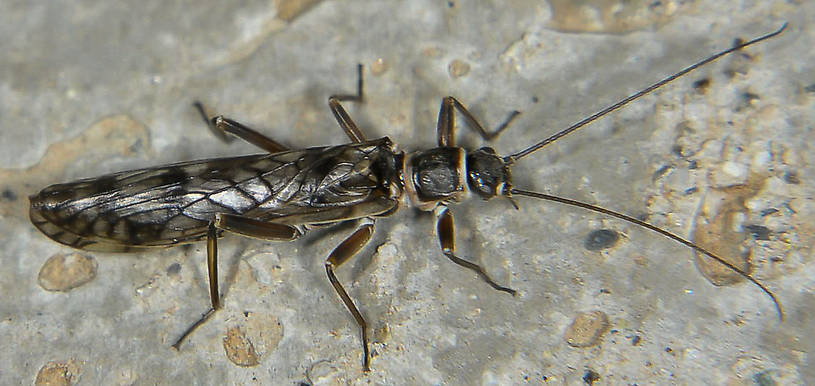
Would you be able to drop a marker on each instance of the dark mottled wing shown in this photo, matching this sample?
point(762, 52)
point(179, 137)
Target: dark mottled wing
point(173, 204)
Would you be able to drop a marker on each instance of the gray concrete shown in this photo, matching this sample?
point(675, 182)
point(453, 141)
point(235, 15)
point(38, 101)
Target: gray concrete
point(89, 88)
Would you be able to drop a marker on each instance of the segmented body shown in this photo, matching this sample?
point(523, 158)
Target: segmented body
point(173, 204)
point(277, 195)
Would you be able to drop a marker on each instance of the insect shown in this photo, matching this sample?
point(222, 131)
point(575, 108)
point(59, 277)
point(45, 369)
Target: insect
point(283, 193)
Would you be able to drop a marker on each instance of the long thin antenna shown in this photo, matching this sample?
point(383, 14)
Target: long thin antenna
point(661, 231)
point(595, 116)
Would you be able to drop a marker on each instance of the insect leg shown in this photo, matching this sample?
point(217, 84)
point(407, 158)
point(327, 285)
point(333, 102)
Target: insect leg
point(446, 230)
point(446, 126)
point(346, 123)
point(237, 224)
point(346, 250)
point(220, 126)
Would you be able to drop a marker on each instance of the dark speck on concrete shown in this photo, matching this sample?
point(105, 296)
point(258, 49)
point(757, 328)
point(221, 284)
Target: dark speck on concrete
point(764, 378)
point(173, 269)
point(701, 85)
point(691, 190)
point(660, 172)
point(601, 239)
point(9, 195)
point(590, 377)
point(747, 100)
point(792, 178)
point(759, 232)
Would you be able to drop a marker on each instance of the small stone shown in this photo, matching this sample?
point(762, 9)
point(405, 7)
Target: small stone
point(458, 68)
point(65, 272)
point(587, 329)
point(379, 66)
point(239, 349)
point(252, 338)
point(58, 373)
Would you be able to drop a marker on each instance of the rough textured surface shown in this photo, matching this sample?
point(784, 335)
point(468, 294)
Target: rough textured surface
point(93, 87)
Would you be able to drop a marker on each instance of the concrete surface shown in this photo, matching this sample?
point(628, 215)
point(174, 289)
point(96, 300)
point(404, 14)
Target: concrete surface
point(88, 88)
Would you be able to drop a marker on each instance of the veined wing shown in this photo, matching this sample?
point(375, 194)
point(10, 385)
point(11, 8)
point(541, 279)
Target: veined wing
point(173, 204)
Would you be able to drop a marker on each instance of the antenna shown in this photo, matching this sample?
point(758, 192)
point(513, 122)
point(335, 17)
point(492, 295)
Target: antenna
point(661, 231)
point(523, 153)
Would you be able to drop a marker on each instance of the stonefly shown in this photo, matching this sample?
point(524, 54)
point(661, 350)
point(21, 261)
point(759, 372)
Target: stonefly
point(282, 193)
